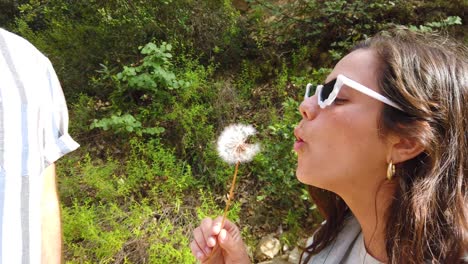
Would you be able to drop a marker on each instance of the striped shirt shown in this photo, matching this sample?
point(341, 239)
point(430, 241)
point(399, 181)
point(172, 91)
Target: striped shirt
point(33, 135)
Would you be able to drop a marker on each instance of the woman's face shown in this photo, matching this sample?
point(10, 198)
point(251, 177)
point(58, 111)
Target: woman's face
point(339, 147)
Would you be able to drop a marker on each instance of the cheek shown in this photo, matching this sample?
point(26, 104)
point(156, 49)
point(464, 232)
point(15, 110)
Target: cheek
point(348, 147)
point(325, 160)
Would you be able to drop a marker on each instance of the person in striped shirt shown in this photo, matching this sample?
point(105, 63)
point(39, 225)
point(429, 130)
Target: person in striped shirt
point(33, 135)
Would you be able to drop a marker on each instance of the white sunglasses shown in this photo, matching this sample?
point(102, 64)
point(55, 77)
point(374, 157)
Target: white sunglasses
point(327, 93)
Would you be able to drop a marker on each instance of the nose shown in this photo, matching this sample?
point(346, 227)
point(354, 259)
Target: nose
point(309, 108)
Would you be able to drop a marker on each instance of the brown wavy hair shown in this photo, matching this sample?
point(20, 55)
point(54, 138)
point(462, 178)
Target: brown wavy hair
point(427, 75)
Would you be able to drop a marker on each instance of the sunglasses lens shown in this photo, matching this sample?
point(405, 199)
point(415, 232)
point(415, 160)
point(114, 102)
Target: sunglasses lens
point(327, 89)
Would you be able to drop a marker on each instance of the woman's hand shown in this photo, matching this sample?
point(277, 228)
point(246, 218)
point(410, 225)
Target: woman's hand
point(211, 244)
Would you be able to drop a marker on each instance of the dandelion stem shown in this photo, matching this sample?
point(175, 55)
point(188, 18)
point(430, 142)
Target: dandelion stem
point(231, 194)
point(228, 203)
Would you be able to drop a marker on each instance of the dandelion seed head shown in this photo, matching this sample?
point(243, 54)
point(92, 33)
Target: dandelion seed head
point(233, 146)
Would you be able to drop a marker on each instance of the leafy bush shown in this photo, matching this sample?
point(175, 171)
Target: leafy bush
point(154, 71)
point(125, 124)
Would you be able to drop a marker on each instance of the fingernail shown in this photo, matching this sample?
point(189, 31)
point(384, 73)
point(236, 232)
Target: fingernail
point(199, 255)
point(207, 250)
point(211, 242)
point(217, 228)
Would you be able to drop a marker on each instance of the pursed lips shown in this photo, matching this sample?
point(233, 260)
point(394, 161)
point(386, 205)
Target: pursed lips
point(299, 141)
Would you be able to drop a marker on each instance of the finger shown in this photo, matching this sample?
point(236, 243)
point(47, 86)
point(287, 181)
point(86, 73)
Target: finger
point(217, 225)
point(232, 244)
point(207, 230)
point(228, 225)
point(230, 240)
point(197, 251)
point(200, 240)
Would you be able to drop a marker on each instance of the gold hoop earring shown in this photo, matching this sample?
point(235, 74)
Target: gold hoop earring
point(390, 171)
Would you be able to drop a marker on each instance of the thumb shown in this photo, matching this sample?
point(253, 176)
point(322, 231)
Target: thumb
point(232, 245)
point(230, 241)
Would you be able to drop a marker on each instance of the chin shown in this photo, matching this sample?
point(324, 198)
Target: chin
point(312, 179)
point(306, 178)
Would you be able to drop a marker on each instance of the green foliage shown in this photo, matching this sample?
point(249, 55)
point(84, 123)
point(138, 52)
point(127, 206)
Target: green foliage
point(9, 10)
point(152, 78)
point(444, 24)
point(109, 31)
point(104, 242)
point(275, 166)
point(154, 71)
point(169, 246)
point(334, 26)
point(249, 77)
point(125, 124)
point(128, 214)
point(82, 111)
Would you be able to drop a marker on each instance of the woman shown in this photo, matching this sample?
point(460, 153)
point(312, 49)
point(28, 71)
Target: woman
point(383, 146)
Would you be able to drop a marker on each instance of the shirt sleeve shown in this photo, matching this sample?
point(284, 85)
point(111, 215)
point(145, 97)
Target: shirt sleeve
point(57, 141)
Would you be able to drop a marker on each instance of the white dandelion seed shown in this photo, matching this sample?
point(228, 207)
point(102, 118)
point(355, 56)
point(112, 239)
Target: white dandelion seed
point(232, 144)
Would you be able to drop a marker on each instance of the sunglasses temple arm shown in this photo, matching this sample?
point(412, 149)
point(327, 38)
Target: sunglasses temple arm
point(363, 89)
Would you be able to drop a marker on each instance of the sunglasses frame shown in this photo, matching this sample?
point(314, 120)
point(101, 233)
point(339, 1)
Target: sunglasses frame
point(340, 80)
